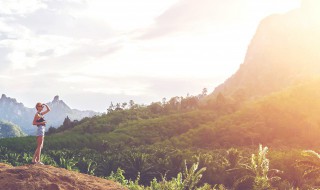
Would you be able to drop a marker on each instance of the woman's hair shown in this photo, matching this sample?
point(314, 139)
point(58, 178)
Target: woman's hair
point(38, 104)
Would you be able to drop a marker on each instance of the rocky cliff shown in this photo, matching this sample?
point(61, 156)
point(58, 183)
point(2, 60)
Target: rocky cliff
point(284, 51)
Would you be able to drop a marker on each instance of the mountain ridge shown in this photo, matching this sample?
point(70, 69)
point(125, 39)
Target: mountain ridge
point(15, 112)
point(282, 52)
point(280, 80)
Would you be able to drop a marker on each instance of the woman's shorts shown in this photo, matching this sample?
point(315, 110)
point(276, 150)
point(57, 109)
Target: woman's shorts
point(40, 130)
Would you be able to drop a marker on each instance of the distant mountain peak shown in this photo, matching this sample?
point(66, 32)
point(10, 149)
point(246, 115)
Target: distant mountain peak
point(11, 110)
point(56, 98)
point(5, 98)
point(60, 103)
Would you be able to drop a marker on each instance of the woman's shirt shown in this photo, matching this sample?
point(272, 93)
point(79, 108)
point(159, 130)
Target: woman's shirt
point(41, 119)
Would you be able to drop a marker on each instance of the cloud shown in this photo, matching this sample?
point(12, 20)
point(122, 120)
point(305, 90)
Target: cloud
point(87, 51)
point(188, 16)
point(18, 7)
point(47, 52)
point(4, 62)
point(52, 22)
point(27, 50)
point(48, 32)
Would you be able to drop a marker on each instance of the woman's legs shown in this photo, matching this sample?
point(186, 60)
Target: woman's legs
point(37, 153)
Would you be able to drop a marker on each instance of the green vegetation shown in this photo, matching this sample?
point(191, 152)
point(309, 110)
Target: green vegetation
point(157, 168)
point(154, 144)
point(8, 129)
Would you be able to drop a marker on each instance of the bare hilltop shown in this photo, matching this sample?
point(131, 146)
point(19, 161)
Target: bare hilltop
point(38, 177)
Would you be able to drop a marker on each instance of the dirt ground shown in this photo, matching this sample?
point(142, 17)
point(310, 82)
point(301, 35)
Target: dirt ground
point(43, 177)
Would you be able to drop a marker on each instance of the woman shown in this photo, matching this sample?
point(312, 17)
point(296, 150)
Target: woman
point(41, 124)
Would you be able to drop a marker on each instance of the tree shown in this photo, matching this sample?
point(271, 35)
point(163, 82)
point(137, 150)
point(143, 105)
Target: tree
point(118, 107)
point(51, 130)
point(220, 101)
point(174, 103)
point(164, 101)
point(203, 93)
point(240, 95)
point(310, 164)
point(111, 108)
point(67, 123)
point(192, 176)
point(234, 158)
point(137, 163)
point(156, 108)
point(131, 104)
point(256, 174)
point(189, 103)
point(186, 180)
point(124, 105)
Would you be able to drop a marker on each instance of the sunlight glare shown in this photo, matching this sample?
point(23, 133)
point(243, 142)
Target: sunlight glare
point(125, 15)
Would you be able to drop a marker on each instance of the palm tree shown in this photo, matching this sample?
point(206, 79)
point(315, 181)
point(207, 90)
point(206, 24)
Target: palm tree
point(192, 176)
point(310, 164)
point(136, 163)
point(233, 158)
point(256, 174)
point(186, 180)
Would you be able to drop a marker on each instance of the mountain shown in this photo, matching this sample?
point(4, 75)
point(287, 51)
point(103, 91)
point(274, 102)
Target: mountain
point(280, 78)
point(10, 130)
point(281, 70)
point(284, 51)
point(47, 177)
point(60, 110)
point(288, 118)
point(15, 112)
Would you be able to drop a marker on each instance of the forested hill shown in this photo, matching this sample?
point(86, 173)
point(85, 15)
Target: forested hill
point(274, 100)
point(275, 63)
point(286, 118)
point(154, 140)
point(289, 118)
point(10, 130)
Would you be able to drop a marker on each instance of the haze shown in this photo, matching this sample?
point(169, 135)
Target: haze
point(93, 52)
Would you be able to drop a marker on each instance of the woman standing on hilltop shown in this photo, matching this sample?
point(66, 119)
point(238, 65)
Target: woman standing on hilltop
point(41, 124)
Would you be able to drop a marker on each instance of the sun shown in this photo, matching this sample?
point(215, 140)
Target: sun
point(277, 6)
point(311, 8)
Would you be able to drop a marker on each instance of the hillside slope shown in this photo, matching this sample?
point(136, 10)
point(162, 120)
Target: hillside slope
point(10, 130)
point(283, 51)
point(287, 118)
point(35, 177)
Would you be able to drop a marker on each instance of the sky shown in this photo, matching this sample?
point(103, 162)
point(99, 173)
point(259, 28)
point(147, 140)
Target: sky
point(94, 52)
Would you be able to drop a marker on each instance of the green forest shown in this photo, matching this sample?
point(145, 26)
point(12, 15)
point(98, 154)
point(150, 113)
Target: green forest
point(8, 129)
point(203, 142)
